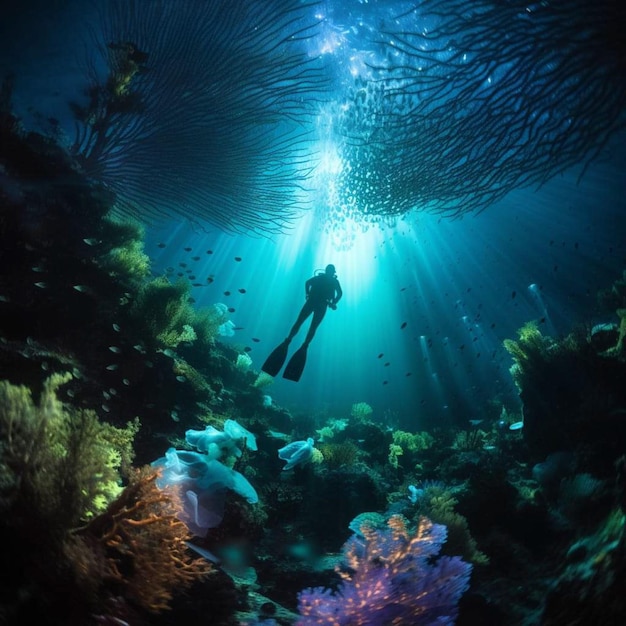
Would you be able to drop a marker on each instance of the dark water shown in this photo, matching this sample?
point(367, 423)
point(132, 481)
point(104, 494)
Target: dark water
point(434, 278)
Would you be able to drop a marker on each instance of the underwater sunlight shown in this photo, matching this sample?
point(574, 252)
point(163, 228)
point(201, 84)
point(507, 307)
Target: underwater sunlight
point(313, 313)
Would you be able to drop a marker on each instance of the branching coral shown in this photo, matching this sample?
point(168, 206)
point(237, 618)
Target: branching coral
point(166, 311)
point(58, 465)
point(138, 545)
point(361, 412)
point(391, 578)
point(437, 503)
point(170, 131)
point(413, 442)
point(530, 348)
point(461, 115)
point(344, 454)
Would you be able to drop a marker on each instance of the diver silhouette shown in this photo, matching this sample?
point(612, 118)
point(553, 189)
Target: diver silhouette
point(321, 291)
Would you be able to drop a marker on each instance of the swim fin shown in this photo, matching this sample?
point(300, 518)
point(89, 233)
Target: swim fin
point(296, 364)
point(276, 359)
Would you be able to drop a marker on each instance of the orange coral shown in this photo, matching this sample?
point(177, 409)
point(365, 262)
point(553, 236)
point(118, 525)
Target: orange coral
point(141, 544)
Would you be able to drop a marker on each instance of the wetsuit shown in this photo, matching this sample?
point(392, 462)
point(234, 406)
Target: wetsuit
point(321, 291)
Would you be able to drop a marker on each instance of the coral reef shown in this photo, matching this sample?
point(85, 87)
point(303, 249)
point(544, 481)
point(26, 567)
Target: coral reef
point(389, 578)
point(138, 547)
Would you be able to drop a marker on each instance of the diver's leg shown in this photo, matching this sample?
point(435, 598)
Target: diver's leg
point(318, 316)
point(305, 311)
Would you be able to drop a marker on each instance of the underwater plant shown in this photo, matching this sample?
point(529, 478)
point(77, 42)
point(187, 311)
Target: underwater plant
point(169, 131)
point(138, 545)
point(88, 544)
point(530, 349)
point(390, 577)
point(361, 412)
point(59, 465)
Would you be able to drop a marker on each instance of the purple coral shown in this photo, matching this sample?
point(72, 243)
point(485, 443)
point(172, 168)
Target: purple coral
point(391, 578)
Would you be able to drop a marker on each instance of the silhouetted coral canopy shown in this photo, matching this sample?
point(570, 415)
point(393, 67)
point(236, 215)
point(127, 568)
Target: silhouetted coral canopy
point(472, 100)
point(196, 109)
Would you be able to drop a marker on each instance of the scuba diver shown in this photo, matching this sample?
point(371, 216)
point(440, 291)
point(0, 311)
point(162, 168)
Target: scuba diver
point(321, 291)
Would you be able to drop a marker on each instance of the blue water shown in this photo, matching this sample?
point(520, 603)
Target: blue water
point(459, 286)
point(457, 202)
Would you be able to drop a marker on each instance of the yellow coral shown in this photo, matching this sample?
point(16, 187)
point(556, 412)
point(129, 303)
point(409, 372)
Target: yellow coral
point(394, 452)
point(361, 411)
point(59, 464)
point(413, 442)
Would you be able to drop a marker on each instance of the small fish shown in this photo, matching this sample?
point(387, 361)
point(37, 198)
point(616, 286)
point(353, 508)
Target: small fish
point(125, 381)
point(513, 294)
point(385, 382)
point(381, 355)
point(231, 309)
point(210, 279)
point(37, 268)
point(161, 245)
point(91, 241)
point(209, 251)
point(403, 325)
point(116, 328)
point(255, 340)
point(387, 364)
point(238, 259)
point(115, 349)
point(106, 408)
point(182, 264)
point(181, 379)
point(41, 285)
point(227, 293)
point(112, 367)
point(195, 258)
point(241, 290)
point(82, 288)
point(169, 352)
point(187, 249)
point(247, 349)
